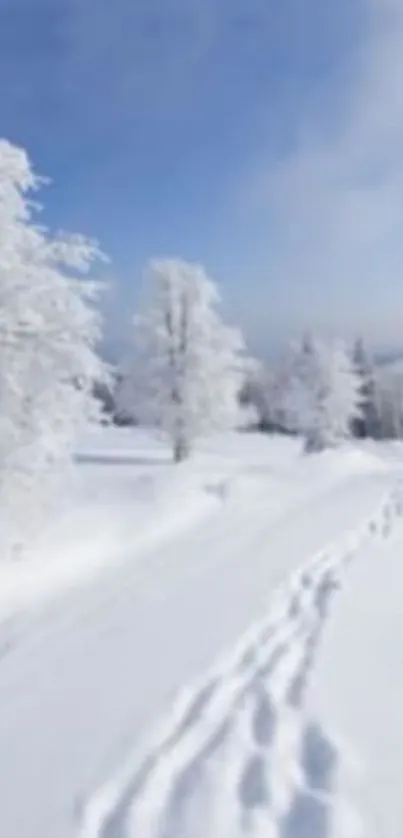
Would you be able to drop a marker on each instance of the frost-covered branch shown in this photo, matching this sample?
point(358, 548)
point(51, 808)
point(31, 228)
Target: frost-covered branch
point(188, 365)
point(49, 328)
point(322, 396)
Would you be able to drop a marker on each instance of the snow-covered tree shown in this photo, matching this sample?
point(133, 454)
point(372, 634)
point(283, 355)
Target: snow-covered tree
point(367, 423)
point(288, 394)
point(268, 395)
point(285, 393)
point(253, 396)
point(189, 366)
point(323, 393)
point(49, 327)
point(388, 392)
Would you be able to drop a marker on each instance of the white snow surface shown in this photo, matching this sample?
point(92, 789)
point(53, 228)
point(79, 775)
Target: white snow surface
point(207, 650)
point(357, 692)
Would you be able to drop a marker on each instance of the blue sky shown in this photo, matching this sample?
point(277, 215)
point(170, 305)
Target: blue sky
point(260, 137)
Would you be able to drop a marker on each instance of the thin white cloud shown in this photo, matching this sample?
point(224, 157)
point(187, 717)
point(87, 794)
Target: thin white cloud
point(334, 205)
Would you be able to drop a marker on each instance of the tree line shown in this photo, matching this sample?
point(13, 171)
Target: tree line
point(327, 391)
point(190, 374)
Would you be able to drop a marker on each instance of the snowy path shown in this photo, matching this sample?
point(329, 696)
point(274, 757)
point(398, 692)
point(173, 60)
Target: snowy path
point(83, 681)
point(239, 756)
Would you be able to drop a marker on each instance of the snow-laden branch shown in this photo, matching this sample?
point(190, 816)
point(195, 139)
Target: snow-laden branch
point(188, 365)
point(49, 328)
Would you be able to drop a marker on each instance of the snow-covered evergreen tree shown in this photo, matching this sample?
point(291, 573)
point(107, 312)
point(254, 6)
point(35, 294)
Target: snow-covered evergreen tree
point(367, 423)
point(253, 396)
point(323, 396)
point(389, 401)
point(275, 384)
point(189, 366)
point(48, 329)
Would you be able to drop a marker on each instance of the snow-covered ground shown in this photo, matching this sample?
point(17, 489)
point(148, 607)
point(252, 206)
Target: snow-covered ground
point(357, 690)
point(187, 651)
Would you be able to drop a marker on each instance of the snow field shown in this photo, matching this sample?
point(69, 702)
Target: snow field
point(86, 670)
point(239, 755)
point(357, 689)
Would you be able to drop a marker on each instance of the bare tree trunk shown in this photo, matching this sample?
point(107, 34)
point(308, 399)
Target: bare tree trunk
point(181, 449)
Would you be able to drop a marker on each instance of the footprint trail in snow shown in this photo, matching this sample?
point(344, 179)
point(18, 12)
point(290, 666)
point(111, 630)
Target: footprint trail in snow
point(240, 756)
